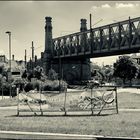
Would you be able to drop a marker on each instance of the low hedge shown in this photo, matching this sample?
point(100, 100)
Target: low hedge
point(54, 85)
point(47, 85)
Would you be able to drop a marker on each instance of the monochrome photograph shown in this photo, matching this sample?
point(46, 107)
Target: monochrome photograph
point(69, 70)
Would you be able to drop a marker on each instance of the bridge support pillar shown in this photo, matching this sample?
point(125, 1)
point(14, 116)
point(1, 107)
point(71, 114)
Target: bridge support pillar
point(73, 71)
point(48, 46)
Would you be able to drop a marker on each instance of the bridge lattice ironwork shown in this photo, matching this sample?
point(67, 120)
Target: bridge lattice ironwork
point(113, 39)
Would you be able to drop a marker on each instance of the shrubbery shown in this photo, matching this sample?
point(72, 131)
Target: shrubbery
point(52, 75)
point(31, 86)
point(35, 80)
point(44, 83)
point(49, 85)
point(6, 90)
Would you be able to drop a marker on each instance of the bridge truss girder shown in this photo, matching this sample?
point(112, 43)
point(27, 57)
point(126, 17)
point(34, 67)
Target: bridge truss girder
point(113, 39)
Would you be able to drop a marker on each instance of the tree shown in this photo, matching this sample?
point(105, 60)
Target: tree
point(126, 68)
point(37, 74)
point(138, 76)
point(52, 75)
point(24, 75)
point(108, 72)
point(1, 69)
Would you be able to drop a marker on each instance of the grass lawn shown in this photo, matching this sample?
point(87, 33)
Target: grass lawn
point(129, 98)
point(8, 102)
point(122, 124)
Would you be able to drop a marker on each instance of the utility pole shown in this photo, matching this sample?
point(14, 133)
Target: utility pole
point(25, 58)
point(30, 63)
point(91, 34)
point(91, 52)
point(32, 55)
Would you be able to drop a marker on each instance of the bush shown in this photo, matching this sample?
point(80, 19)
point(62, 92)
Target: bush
point(28, 87)
point(31, 86)
point(49, 85)
point(52, 75)
point(19, 83)
point(6, 90)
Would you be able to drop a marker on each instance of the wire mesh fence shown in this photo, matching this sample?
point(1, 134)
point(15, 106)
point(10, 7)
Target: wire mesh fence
point(96, 101)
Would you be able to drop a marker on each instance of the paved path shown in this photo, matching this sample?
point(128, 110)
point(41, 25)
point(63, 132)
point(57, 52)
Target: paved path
point(121, 109)
point(36, 135)
point(18, 135)
point(129, 110)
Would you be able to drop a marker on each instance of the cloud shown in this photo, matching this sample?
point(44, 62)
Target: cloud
point(128, 5)
point(116, 6)
point(105, 6)
point(94, 7)
point(1, 52)
point(102, 6)
point(114, 12)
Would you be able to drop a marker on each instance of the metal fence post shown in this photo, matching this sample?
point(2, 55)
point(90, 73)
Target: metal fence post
point(2, 90)
point(18, 102)
point(116, 100)
point(65, 100)
point(40, 98)
point(91, 100)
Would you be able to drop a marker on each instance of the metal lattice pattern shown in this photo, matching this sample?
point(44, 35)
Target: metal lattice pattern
point(117, 38)
point(102, 100)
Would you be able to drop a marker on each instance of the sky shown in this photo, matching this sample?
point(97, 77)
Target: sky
point(26, 21)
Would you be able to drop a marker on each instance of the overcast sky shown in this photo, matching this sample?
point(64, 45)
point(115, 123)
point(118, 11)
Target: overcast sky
point(26, 21)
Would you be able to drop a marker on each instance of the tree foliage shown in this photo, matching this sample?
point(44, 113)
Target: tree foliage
point(52, 75)
point(107, 71)
point(36, 73)
point(126, 68)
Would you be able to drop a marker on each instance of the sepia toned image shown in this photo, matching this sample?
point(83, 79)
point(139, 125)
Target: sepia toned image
point(69, 70)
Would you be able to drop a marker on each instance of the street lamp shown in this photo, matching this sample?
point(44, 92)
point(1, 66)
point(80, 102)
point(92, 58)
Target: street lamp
point(9, 34)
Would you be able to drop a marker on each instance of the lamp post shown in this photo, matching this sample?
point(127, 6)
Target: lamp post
point(9, 34)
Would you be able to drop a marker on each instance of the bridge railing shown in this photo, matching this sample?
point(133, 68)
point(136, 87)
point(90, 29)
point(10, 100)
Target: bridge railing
point(71, 44)
point(120, 35)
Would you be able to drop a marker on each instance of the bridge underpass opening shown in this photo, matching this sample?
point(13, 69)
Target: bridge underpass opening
point(110, 60)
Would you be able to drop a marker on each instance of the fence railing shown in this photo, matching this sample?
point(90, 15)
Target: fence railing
point(102, 100)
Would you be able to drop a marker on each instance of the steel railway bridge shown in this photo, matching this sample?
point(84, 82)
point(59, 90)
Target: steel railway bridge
point(113, 39)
